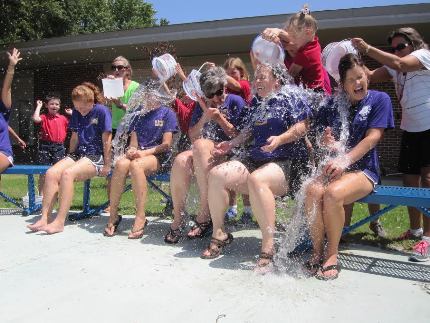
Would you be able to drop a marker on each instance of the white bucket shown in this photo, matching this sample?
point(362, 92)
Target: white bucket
point(164, 66)
point(332, 54)
point(267, 52)
point(26, 200)
point(192, 84)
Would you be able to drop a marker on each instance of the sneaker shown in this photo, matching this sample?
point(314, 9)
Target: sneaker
point(421, 252)
point(377, 229)
point(231, 214)
point(408, 235)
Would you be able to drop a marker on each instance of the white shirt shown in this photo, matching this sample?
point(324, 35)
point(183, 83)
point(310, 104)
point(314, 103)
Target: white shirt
point(413, 91)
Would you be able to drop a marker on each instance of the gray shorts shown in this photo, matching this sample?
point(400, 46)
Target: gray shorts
point(96, 160)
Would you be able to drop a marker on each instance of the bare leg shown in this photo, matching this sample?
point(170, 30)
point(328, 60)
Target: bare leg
point(139, 169)
point(40, 184)
point(51, 187)
point(410, 180)
point(180, 179)
point(82, 170)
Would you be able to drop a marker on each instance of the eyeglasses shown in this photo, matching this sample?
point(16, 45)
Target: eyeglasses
point(399, 47)
point(217, 93)
point(118, 67)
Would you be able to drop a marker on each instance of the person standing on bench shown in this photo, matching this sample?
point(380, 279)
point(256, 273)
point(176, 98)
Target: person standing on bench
point(53, 132)
point(89, 155)
point(149, 150)
point(347, 177)
point(6, 157)
point(409, 68)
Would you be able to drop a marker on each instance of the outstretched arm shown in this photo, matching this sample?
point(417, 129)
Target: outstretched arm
point(297, 131)
point(36, 114)
point(6, 93)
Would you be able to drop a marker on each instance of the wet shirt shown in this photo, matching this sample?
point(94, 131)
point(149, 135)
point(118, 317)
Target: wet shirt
point(5, 146)
point(313, 74)
point(272, 118)
point(53, 128)
point(231, 109)
point(244, 92)
point(90, 129)
point(151, 127)
point(374, 111)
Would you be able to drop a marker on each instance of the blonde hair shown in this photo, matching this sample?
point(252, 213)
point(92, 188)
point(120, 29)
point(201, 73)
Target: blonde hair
point(236, 62)
point(126, 62)
point(87, 92)
point(302, 20)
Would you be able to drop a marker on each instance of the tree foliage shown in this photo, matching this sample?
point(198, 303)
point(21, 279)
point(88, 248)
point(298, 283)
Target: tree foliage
point(24, 20)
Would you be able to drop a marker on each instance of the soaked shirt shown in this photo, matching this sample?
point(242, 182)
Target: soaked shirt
point(151, 127)
point(90, 129)
point(273, 117)
point(5, 146)
point(231, 109)
point(374, 111)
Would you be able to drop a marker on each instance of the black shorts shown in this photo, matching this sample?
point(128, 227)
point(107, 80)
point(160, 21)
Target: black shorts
point(414, 152)
point(50, 152)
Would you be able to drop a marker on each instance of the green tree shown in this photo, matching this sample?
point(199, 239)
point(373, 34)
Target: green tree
point(24, 20)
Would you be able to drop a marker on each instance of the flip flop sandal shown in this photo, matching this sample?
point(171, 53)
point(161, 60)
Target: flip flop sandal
point(173, 236)
point(204, 227)
point(216, 246)
point(327, 268)
point(114, 226)
point(138, 234)
point(311, 268)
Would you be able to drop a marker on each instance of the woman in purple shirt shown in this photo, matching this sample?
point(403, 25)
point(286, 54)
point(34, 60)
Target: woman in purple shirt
point(348, 174)
point(89, 155)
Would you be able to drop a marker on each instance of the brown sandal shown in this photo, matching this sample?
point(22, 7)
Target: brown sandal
point(114, 226)
point(216, 246)
point(173, 236)
point(264, 263)
point(138, 234)
point(205, 228)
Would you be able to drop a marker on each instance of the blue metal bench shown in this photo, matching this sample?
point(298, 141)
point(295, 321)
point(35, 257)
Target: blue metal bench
point(394, 196)
point(87, 211)
point(30, 171)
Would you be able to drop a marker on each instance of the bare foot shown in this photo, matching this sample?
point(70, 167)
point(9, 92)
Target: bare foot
point(37, 225)
point(52, 228)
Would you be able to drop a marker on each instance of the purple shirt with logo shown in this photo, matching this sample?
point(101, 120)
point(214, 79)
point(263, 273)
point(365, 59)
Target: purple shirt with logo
point(231, 109)
point(5, 146)
point(90, 129)
point(374, 111)
point(151, 126)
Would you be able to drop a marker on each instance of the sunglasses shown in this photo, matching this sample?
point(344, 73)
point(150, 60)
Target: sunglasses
point(217, 93)
point(118, 67)
point(399, 47)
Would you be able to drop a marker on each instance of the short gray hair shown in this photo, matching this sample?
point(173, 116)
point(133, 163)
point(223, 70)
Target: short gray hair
point(212, 80)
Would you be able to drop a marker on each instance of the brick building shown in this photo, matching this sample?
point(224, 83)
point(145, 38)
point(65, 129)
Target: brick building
point(59, 64)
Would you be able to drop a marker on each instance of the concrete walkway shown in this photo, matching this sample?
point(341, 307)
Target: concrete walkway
point(81, 276)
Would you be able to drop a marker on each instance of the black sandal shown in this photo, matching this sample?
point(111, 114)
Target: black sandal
point(327, 268)
point(264, 263)
point(217, 247)
point(114, 225)
point(173, 236)
point(204, 227)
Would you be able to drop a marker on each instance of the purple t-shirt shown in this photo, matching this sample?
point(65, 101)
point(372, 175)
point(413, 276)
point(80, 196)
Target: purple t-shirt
point(5, 146)
point(374, 111)
point(272, 118)
point(151, 127)
point(231, 109)
point(90, 129)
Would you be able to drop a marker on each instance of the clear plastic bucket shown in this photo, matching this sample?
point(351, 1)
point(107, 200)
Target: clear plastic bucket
point(267, 52)
point(332, 54)
point(164, 66)
point(191, 85)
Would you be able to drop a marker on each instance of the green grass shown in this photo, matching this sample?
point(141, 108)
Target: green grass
point(395, 222)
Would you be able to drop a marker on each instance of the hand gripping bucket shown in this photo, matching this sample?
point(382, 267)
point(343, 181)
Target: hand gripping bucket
point(191, 85)
point(267, 52)
point(164, 66)
point(332, 54)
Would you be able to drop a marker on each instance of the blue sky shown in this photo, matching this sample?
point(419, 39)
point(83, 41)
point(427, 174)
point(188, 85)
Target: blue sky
point(183, 11)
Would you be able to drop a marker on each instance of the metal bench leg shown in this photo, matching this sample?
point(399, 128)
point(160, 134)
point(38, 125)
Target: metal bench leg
point(370, 218)
point(86, 211)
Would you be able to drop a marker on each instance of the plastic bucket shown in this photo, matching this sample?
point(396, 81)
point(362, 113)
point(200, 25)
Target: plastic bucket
point(267, 52)
point(164, 66)
point(192, 84)
point(332, 54)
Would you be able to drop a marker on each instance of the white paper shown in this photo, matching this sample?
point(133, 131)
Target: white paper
point(113, 88)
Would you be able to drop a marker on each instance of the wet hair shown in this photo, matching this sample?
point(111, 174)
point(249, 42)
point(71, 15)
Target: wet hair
point(88, 92)
point(278, 71)
point(212, 80)
point(302, 20)
point(52, 96)
point(126, 62)
point(236, 62)
point(347, 62)
point(411, 35)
